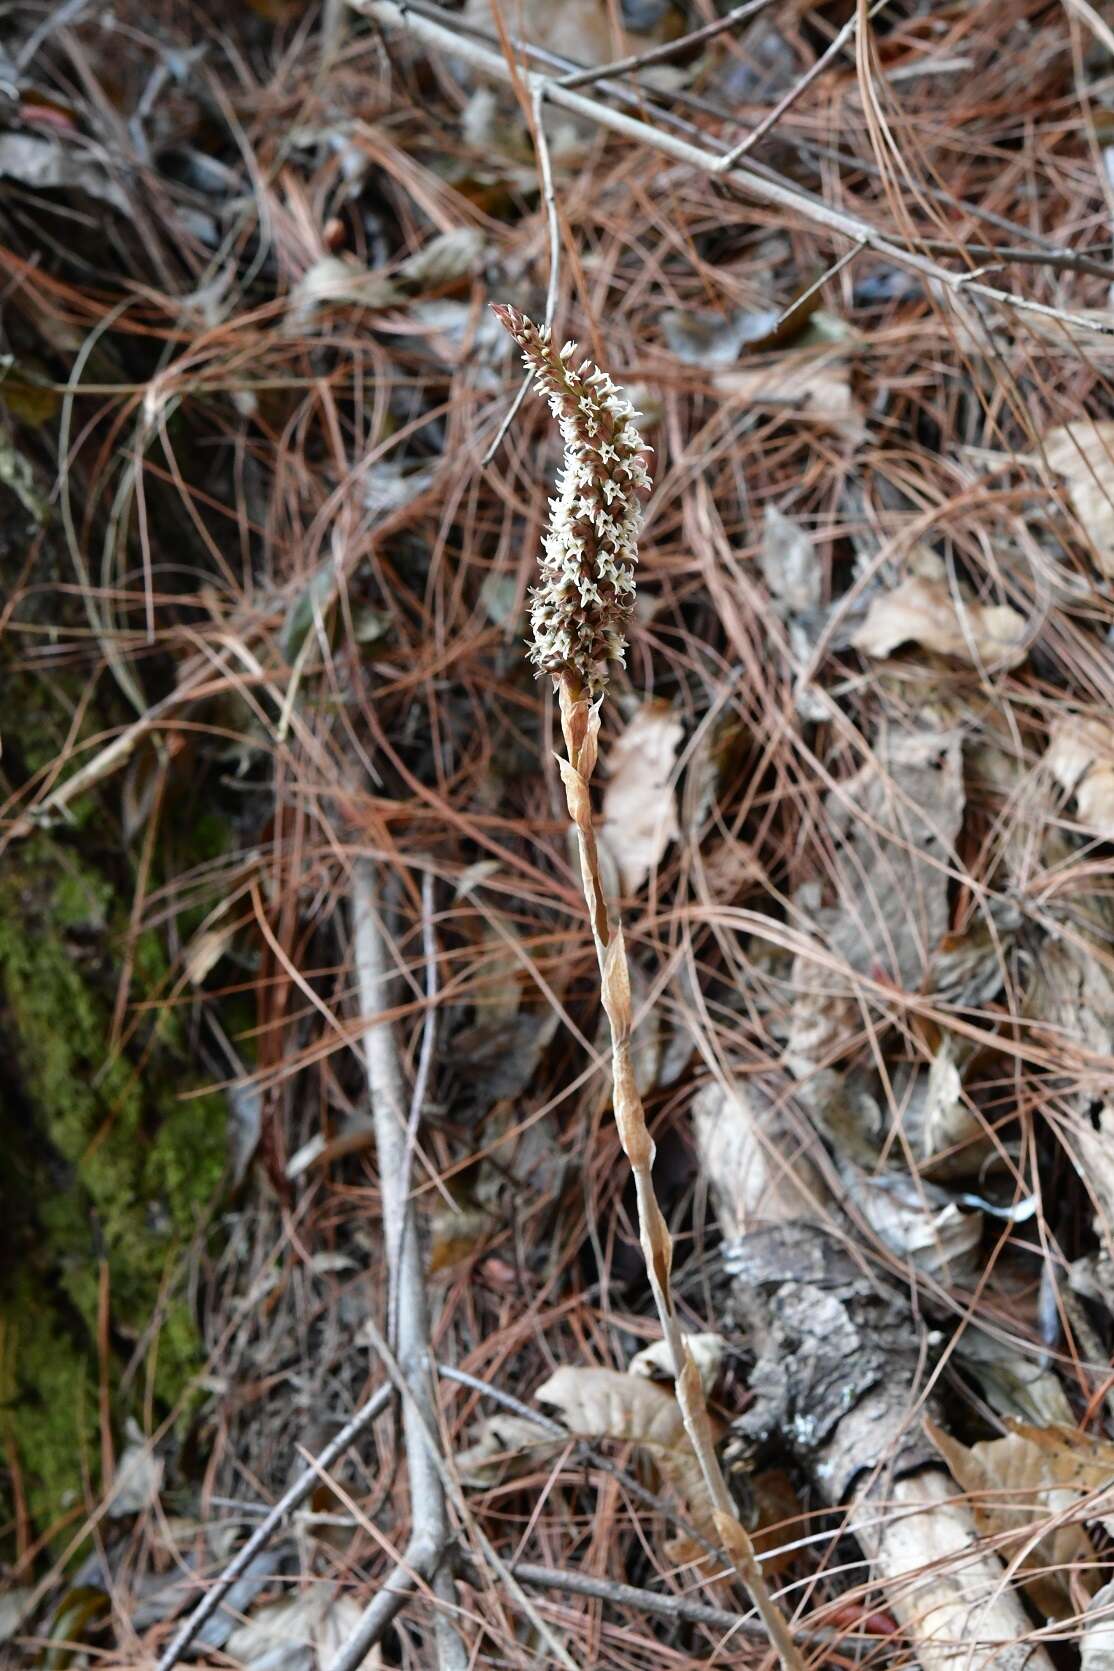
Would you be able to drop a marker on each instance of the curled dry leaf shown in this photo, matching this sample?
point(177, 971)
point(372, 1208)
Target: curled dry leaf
point(505, 1445)
point(759, 1169)
point(896, 821)
point(918, 1222)
point(1080, 757)
point(927, 612)
point(1072, 993)
point(205, 951)
point(1092, 1149)
point(1097, 1647)
point(640, 802)
point(655, 1362)
point(943, 1130)
point(302, 1632)
point(138, 1476)
point(334, 279)
point(605, 1404)
point(40, 163)
point(1031, 1476)
point(808, 386)
point(1012, 1384)
point(1083, 453)
point(714, 339)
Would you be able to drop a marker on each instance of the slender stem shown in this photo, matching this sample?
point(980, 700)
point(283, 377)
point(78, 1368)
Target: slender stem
point(580, 727)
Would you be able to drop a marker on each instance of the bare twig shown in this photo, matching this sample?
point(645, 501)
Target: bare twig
point(774, 115)
point(429, 1525)
point(643, 1601)
point(763, 186)
point(495, 1567)
point(553, 233)
point(421, 1076)
point(1041, 251)
point(668, 49)
point(267, 1528)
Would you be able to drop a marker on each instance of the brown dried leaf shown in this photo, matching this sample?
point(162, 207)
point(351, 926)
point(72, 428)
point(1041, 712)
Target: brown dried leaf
point(926, 612)
point(138, 1476)
point(640, 801)
point(896, 821)
point(1012, 1384)
point(1092, 1150)
point(944, 1132)
point(1083, 453)
point(458, 1233)
point(1080, 757)
point(808, 386)
point(605, 1404)
point(789, 564)
point(205, 951)
point(1072, 993)
point(655, 1362)
point(306, 1628)
point(1096, 1650)
point(1019, 1481)
point(505, 1445)
point(757, 1168)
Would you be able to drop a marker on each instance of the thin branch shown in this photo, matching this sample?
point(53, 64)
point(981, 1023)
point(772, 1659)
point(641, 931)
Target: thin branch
point(421, 1076)
point(275, 1517)
point(495, 1564)
point(667, 50)
point(429, 1525)
point(774, 115)
point(669, 1606)
point(763, 186)
point(553, 233)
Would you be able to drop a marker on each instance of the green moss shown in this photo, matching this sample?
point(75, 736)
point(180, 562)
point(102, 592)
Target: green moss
point(48, 1403)
point(114, 1169)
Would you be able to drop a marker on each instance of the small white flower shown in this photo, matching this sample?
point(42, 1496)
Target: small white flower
point(580, 607)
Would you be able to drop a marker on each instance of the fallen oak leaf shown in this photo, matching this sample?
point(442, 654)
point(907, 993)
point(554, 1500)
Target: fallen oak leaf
point(1031, 1476)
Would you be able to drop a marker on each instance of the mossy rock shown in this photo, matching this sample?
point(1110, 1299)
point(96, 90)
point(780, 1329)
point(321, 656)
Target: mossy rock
point(112, 1175)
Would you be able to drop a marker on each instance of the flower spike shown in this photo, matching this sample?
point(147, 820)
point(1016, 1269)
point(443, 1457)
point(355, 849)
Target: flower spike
point(578, 612)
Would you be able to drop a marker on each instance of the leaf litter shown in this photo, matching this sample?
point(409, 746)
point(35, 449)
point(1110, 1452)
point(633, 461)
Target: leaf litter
point(868, 913)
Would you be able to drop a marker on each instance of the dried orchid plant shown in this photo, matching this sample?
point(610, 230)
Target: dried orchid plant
point(578, 619)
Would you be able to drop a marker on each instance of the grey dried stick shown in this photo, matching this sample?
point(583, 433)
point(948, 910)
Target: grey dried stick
point(578, 617)
point(429, 1522)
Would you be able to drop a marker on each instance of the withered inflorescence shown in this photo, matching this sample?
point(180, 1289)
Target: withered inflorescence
point(578, 613)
